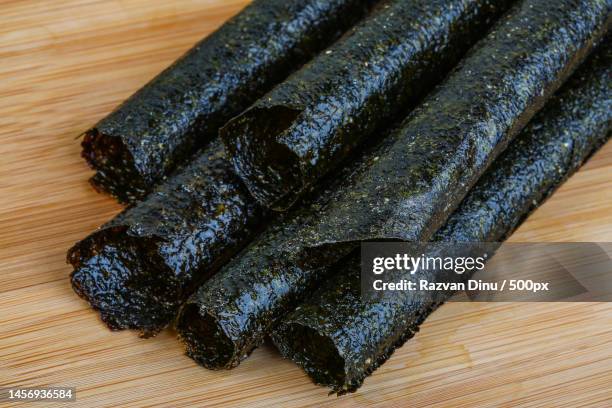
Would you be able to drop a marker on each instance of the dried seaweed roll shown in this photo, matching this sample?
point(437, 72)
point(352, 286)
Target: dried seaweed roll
point(138, 268)
point(339, 337)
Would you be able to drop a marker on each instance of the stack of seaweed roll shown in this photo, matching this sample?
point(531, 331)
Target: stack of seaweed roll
point(257, 164)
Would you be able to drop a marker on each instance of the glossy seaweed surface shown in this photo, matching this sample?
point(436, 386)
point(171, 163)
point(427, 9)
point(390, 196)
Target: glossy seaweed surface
point(139, 267)
point(339, 338)
point(231, 313)
point(164, 123)
point(406, 188)
point(302, 129)
point(423, 171)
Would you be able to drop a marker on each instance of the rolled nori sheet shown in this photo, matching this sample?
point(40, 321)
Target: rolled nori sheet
point(405, 188)
point(164, 123)
point(138, 268)
point(339, 337)
point(231, 313)
point(426, 168)
point(301, 129)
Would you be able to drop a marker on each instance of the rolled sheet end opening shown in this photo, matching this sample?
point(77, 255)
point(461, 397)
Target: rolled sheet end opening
point(204, 338)
point(270, 169)
point(114, 165)
point(122, 286)
point(314, 352)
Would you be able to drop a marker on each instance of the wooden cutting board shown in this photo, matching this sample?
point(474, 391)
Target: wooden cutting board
point(65, 64)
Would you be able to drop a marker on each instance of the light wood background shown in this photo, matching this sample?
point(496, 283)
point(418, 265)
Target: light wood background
point(66, 63)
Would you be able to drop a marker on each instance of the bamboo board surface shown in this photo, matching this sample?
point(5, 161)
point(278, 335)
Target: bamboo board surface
point(66, 63)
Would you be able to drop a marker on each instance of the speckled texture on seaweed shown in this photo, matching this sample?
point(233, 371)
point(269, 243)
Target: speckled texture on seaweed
point(139, 267)
point(231, 313)
point(425, 169)
point(551, 148)
point(164, 123)
point(238, 310)
point(408, 186)
point(338, 339)
point(306, 125)
point(337, 325)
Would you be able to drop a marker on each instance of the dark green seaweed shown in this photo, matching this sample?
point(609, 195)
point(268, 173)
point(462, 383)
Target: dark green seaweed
point(339, 337)
point(404, 189)
point(180, 110)
point(302, 129)
point(139, 267)
point(426, 168)
point(231, 313)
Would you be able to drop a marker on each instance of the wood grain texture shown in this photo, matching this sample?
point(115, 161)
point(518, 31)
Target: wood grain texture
point(65, 64)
